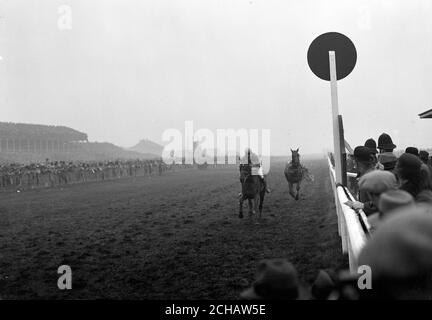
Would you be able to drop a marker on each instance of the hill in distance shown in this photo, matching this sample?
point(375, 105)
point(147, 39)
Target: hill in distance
point(147, 146)
point(106, 150)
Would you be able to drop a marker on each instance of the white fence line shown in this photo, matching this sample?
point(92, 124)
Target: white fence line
point(353, 226)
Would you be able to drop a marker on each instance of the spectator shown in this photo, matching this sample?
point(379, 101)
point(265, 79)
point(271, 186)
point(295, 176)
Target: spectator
point(388, 203)
point(363, 163)
point(363, 160)
point(276, 280)
point(424, 157)
point(425, 198)
point(50, 174)
point(399, 254)
point(323, 285)
point(371, 144)
point(371, 186)
point(426, 171)
point(392, 200)
point(409, 172)
point(386, 156)
point(412, 150)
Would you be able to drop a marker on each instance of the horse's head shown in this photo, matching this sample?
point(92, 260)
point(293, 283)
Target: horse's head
point(245, 171)
point(295, 156)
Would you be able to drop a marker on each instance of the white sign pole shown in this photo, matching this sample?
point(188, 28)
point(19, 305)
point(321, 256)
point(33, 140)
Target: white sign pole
point(335, 113)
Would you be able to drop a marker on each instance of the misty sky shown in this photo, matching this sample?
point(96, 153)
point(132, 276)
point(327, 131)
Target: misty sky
point(128, 70)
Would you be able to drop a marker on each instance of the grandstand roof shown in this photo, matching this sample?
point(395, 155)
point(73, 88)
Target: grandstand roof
point(426, 114)
point(39, 131)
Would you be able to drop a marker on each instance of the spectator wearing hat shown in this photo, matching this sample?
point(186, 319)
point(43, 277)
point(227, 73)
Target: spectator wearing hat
point(371, 186)
point(412, 150)
point(363, 160)
point(425, 169)
point(350, 167)
point(363, 163)
point(276, 280)
point(424, 157)
point(386, 156)
point(394, 199)
point(323, 285)
point(371, 144)
point(399, 254)
point(388, 203)
point(409, 171)
point(426, 174)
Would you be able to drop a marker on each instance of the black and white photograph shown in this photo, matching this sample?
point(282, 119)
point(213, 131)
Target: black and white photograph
point(215, 156)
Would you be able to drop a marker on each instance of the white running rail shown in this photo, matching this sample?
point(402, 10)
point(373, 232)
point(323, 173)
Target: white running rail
point(353, 227)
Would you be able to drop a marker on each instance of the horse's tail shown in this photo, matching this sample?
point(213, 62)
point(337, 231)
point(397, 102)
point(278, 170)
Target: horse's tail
point(307, 175)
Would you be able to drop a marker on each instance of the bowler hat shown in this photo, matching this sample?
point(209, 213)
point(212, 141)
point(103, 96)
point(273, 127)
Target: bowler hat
point(276, 279)
point(371, 144)
point(362, 154)
point(412, 150)
point(385, 142)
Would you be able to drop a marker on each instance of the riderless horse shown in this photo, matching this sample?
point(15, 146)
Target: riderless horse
point(253, 190)
point(294, 173)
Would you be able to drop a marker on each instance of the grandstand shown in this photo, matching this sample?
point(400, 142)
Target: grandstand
point(36, 138)
point(28, 143)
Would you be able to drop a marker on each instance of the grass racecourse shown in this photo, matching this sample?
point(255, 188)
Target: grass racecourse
point(177, 236)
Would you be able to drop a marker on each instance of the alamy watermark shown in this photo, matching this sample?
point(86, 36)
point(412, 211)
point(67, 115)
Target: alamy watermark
point(224, 146)
point(64, 282)
point(64, 19)
point(365, 279)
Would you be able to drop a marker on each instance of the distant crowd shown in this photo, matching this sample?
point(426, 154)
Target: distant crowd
point(19, 177)
point(395, 193)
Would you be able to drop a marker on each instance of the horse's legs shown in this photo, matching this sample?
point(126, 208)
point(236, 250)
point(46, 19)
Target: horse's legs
point(251, 209)
point(298, 191)
point(291, 189)
point(241, 207)
point(261, 203)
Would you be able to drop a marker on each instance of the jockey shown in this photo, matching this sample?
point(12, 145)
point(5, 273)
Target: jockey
point(255, 162)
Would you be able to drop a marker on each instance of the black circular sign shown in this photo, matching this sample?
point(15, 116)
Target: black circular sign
point(318, 55)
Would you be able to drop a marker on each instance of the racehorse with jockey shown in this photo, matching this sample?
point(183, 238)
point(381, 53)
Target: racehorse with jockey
point(253, 183)
point(252, 159)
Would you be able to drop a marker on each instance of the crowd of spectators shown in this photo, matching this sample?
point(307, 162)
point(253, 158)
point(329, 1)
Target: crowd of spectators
point(15, 176)
point(395, 193)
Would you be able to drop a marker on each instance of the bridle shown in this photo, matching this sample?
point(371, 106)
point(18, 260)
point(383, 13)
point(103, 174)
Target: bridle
point(295, 160)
